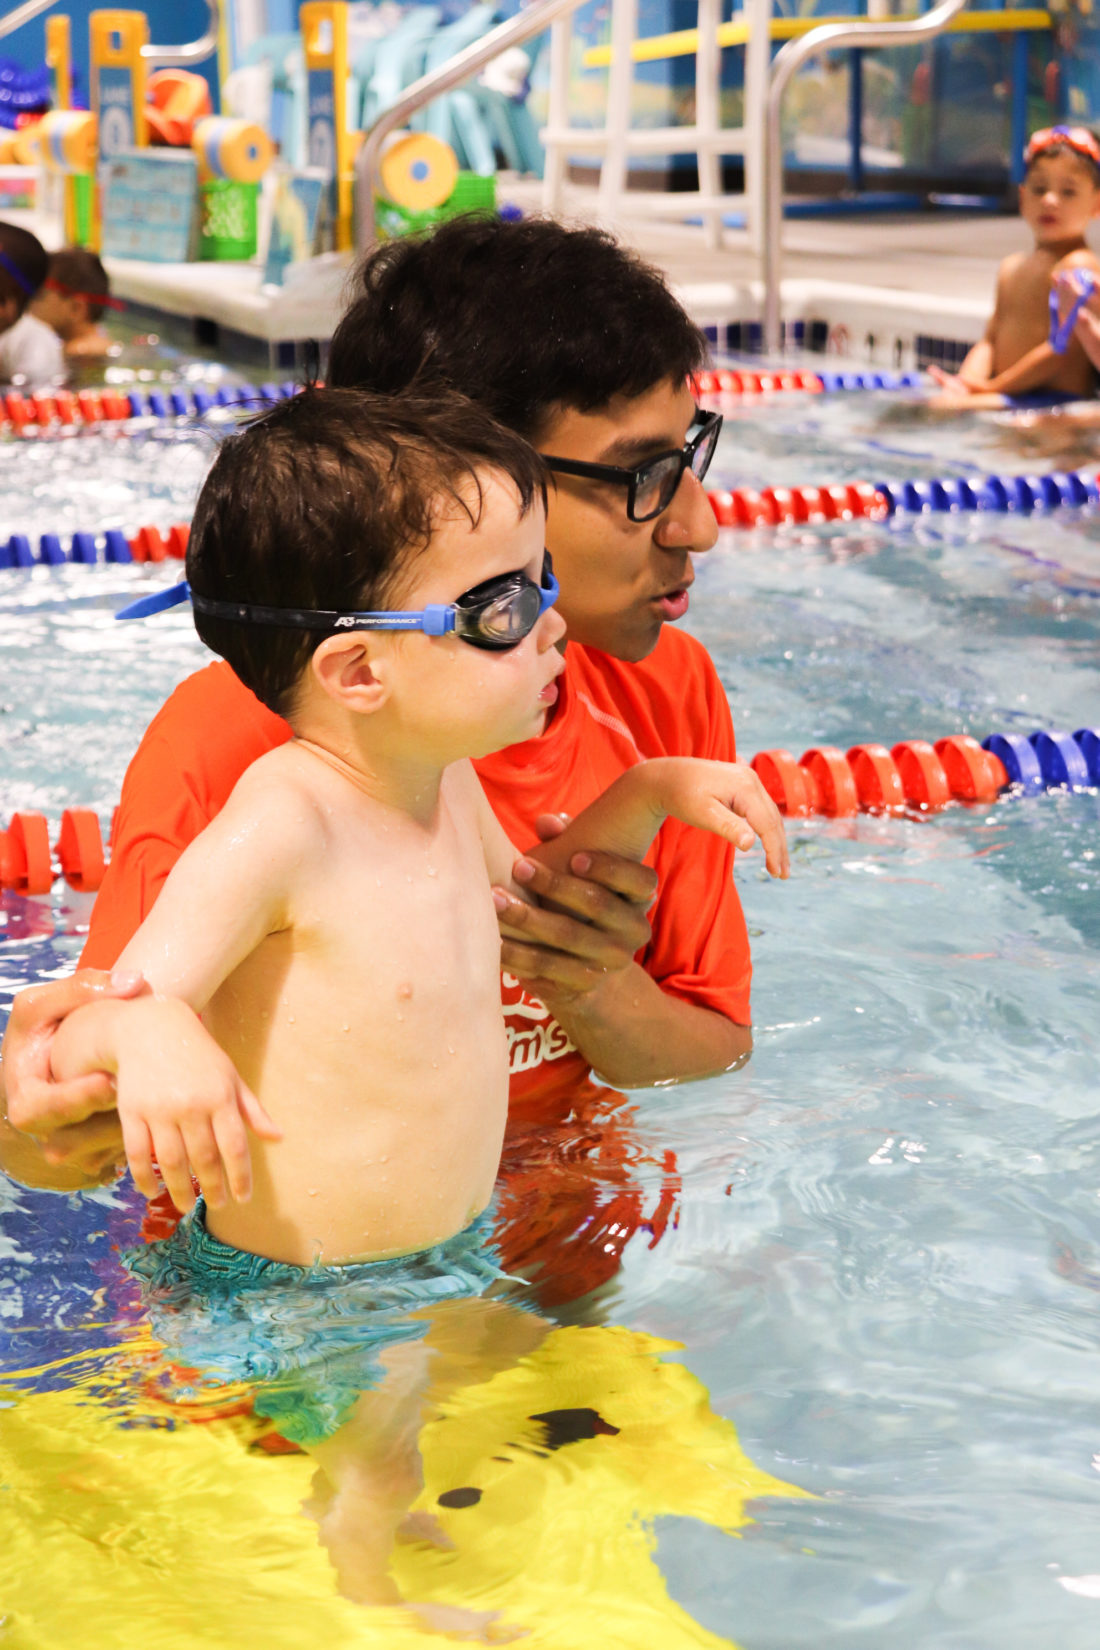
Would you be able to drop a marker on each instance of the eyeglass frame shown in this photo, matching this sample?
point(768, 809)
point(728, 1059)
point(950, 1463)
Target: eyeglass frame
point(711, 421)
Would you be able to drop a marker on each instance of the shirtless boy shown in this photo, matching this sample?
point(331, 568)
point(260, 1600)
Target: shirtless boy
point(373, 569)
point(1059, 196)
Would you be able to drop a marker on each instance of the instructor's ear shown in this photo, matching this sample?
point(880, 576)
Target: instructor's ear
point(352, 671)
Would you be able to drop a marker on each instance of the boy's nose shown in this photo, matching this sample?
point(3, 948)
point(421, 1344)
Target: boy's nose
point(688, 523)
point(551, 629)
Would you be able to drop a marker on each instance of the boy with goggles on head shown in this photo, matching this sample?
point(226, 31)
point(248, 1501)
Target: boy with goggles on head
point(373, 569)
point(1030, 346)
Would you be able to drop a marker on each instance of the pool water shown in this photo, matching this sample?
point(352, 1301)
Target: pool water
point(878, 1251)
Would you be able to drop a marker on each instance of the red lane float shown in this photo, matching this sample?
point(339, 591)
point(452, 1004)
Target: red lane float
point(26, 866)
point(846, 501)
point(871, 779)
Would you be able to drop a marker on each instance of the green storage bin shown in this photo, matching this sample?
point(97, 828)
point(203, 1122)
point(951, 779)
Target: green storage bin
point(472, 193)
point(229, 213)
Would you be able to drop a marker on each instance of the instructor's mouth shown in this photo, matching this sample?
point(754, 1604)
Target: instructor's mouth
point(674, 604)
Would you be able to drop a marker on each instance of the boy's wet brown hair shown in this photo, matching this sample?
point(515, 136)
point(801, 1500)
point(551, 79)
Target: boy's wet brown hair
point(322, 502)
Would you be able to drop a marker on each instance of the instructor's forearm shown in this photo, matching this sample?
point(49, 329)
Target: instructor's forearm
point(634, 1034)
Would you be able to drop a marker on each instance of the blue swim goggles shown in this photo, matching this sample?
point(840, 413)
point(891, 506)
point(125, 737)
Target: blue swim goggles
point(496, 614)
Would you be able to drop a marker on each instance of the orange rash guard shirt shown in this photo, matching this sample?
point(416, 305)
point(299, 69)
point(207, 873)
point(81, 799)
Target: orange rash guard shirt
point(610, 715)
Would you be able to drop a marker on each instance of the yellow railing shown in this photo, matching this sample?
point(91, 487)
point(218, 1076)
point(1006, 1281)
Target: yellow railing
point(685, 42)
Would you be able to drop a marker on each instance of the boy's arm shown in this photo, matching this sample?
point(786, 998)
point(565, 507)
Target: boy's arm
point(179, 1097)
point(622, 1021)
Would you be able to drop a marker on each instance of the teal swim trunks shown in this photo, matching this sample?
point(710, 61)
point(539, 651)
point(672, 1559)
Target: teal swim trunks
point(307, 1339)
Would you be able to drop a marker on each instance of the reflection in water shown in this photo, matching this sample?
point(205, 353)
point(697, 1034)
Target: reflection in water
point(174, 1525)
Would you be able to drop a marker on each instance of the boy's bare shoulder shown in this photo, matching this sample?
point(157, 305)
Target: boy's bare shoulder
point(282, 793)
point(1083, 258)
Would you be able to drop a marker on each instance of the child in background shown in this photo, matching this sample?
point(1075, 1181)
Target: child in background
point(72, 299)
point(374, 570)
point(30, 351)
point(1059, 196)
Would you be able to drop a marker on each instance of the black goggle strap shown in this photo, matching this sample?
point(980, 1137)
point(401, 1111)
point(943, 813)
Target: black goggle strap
point(436, 619)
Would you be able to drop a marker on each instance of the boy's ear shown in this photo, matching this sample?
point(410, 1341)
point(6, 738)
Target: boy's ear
point(352, 671)
point(9, 313)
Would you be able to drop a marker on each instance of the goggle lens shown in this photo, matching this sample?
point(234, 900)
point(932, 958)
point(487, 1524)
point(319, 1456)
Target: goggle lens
point(501, 612)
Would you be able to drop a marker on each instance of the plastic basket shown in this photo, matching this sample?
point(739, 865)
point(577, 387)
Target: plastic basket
point(229, 212)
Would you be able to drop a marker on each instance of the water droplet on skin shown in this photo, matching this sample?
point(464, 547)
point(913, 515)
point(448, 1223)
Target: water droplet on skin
point(405, 990)
point(385, 1158)
point(312, 1191)
point(347, 1028)
point(290, 1019)
point(432, 872)
point(450, 1050)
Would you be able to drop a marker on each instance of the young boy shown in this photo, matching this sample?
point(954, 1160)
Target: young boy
point(1059, 196)
point(334, 924)
point(374, 569)
point(29, 350)
point(73, 297)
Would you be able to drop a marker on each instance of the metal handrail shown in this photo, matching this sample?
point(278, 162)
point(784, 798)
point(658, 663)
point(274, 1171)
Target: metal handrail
point(192, 51)
point(534, 19)
point(790, 58)
point(19, 15)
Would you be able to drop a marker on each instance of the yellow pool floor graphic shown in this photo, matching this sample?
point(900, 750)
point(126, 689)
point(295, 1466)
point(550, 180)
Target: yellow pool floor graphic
point(120, 1530)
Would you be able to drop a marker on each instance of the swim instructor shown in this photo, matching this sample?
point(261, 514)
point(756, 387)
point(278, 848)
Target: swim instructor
point(572, 341)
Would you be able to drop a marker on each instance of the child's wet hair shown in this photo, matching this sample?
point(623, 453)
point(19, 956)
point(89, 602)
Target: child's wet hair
point(527, 319)
point(321, 503)
point(24, 262)
point(78, 272)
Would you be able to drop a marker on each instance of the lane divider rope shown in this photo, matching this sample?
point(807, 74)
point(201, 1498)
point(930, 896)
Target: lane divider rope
point(146, 544)
point(875, 501)
point(743, 381)
point(55, 409)
point(824, 780)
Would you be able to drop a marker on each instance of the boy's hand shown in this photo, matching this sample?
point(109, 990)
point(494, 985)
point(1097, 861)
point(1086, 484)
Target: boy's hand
point(182, 1102)
point(724, 797)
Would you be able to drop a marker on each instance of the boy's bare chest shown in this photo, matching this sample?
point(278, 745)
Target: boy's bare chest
point(410, 911)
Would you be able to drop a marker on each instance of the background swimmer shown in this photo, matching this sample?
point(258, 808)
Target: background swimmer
point(1059, 197)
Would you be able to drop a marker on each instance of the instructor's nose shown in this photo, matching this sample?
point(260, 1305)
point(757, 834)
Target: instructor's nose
point(688, 523)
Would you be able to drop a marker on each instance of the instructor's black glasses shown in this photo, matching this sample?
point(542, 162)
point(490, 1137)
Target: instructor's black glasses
point(651, 486)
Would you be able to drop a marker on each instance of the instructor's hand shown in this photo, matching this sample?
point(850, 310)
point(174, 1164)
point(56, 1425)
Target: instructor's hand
point(589, 922)
point(75, 1123)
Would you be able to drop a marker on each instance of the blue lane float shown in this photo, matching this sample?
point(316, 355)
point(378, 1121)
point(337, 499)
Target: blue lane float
point(834, 381)
point(1048, 760)
point(998, 493)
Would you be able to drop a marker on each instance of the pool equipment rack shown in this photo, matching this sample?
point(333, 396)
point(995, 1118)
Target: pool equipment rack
point(913, 777)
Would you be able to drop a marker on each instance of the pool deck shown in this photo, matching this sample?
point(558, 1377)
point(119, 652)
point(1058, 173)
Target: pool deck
point(876, 281)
